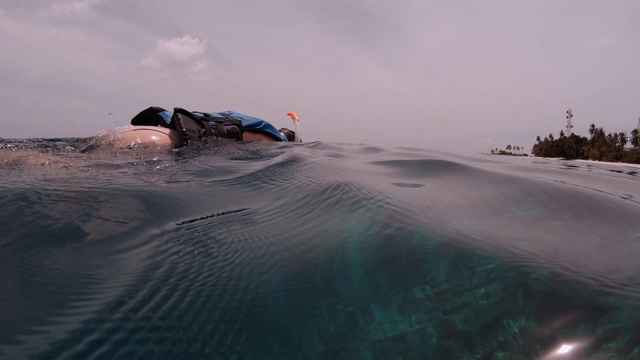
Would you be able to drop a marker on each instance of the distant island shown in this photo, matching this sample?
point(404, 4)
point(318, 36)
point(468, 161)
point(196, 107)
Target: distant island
point(510, 150)
point(600, 146)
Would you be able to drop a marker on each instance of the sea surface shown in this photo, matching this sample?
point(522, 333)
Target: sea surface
point(231, 250)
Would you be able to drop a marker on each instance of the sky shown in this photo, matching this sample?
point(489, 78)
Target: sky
point(456, 76)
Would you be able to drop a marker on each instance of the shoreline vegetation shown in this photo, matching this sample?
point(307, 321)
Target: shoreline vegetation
point(600, 146)
point(509, 150)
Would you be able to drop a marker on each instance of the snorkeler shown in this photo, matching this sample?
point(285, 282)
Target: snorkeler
point(181, 127)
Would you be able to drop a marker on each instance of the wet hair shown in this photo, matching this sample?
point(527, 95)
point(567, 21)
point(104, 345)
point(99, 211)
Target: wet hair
point(288, 133)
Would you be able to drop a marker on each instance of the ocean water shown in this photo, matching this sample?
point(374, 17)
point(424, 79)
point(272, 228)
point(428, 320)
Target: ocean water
point(317, 251)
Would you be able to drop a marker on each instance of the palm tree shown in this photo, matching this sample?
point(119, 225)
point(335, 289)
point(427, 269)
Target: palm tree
point(600, 144)
point(635, 138)
point(592, 129)
point(622, 139)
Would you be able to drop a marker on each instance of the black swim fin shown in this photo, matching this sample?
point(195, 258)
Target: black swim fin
point(149, 117)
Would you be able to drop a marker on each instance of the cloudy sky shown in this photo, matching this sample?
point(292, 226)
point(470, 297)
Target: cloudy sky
point(450, 75)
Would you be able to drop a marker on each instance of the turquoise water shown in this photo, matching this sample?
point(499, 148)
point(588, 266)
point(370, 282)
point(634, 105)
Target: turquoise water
point(317, 251)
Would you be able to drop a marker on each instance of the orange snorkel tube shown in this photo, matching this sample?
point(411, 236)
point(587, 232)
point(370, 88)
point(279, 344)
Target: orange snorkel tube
point(296, 126)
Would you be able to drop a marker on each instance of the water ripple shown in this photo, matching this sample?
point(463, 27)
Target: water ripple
point(233, 250)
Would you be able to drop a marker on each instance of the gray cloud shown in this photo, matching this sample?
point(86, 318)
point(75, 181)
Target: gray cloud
point(601, 43)
point(70, 8)
point(186, 52)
